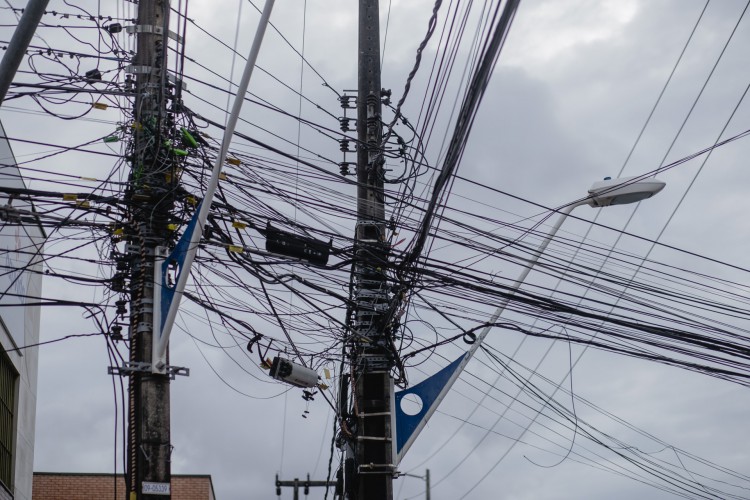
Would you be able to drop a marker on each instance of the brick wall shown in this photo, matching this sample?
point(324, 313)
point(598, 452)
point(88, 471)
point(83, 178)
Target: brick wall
point(59, 486)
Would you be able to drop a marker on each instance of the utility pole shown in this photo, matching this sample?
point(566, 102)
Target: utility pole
point(427, 484)
point(152, 181)
point(425, 478)
point(372, 468)
point(305, 485)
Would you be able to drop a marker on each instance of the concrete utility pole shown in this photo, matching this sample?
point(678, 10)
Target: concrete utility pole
point(373, 385)
point(150, 198)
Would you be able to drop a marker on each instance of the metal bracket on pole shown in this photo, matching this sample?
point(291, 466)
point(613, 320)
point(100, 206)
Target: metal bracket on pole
point(378, 469)
point(159, 346)
point(133, 69)
point(128, 368)
point(156, 30)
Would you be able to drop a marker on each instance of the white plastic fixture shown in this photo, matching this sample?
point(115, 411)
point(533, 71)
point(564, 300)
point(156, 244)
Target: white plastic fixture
point(623, 190)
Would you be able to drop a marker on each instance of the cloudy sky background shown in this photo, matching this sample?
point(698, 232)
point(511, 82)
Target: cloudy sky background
point(572, 90)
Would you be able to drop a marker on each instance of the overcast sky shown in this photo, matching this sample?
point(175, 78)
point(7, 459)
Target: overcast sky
point(572, 90)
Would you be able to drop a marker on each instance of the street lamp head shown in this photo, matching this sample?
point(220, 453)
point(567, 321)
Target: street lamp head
point(623, 190)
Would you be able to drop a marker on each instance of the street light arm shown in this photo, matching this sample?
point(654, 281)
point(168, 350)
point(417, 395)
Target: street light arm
point(433, 390)
point(564, 213)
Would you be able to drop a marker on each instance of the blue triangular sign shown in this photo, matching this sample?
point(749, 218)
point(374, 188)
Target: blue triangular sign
point(430, 391)
point(178, 255)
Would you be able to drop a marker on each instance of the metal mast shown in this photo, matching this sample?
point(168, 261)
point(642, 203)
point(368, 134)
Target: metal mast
point(20, 41)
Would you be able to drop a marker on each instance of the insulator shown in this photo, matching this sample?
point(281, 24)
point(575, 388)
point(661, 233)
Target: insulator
point(344, 123)
point(345, 101)
point(385, 96)
point(118, 282)
point(344, 167)
point(116, 333)
point(121, 309)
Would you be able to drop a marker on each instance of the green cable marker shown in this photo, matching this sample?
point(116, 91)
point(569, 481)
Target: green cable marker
point(188, 138)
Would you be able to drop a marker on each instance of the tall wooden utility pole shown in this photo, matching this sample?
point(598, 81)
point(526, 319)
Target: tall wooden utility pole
point(150, 198)
point(373, 385)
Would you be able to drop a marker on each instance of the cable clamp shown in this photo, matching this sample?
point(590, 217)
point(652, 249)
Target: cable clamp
point(377, 469)
point(145, 70)
point(128, 368)
point(154, 30)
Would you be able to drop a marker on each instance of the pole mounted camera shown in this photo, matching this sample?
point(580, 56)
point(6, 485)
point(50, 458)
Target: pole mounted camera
point(292, 373)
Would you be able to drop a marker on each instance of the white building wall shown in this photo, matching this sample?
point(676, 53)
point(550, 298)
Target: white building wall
point(20, 280)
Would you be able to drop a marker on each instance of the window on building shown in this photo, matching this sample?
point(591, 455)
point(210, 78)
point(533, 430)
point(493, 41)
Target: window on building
point(8, 383)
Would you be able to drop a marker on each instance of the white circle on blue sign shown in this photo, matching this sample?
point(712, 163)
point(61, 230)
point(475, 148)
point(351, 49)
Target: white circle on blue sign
point(411, 404)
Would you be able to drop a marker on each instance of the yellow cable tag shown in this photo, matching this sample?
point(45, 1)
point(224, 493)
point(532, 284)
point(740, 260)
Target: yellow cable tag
point(118, 232)
point(70, 197)
point(239, 225)
point(191, 200)
point(234, 161)
point(222, 176)
point(83, 204)
point(100, 105)
point(172, 227)
point(235, 248)
point(327, 373)
point(322, 386)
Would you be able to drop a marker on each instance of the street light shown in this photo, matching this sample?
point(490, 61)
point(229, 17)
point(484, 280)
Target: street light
point(430, 392)
point(623, 191)
point(425, 478)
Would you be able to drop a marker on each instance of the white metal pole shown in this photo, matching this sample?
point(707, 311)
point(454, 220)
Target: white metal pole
point(161, 340)
point(522, 277)
point(480, 338)
point(20, 41)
